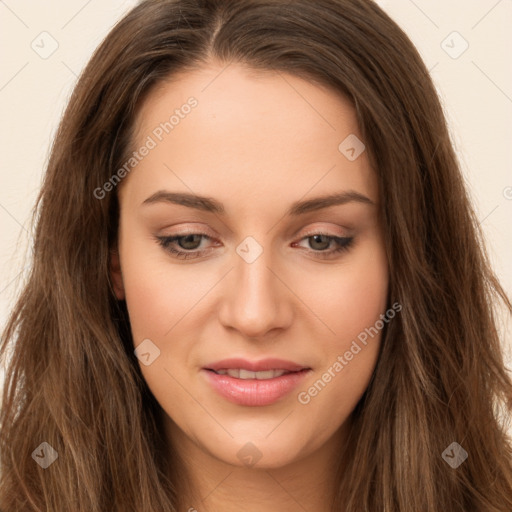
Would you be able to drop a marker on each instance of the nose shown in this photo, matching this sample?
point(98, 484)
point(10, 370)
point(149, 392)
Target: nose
point(255, 299)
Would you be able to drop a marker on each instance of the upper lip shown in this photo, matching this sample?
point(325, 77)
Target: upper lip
point(256, 366)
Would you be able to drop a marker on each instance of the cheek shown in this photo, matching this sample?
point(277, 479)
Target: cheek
point(157, 293)
point(350, 304)
point(151, 301)
point(158, 298)
point(350, 297)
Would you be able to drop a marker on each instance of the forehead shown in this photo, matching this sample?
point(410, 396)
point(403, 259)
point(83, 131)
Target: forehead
point(270, 130)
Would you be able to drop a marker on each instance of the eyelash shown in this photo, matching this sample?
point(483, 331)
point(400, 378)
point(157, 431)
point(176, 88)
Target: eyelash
point(344, 244)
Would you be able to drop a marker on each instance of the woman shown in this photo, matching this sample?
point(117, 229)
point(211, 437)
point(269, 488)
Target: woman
point(258, 281)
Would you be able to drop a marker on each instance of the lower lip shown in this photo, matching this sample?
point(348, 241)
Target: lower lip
point(254, 392)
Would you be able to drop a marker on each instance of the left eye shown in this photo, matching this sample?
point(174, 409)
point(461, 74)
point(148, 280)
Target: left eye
point(188, 244)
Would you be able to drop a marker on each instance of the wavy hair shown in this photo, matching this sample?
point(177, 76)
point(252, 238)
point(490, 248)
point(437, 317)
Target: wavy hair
point(72, 379)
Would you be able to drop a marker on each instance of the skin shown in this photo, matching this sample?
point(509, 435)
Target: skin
point(256, 142)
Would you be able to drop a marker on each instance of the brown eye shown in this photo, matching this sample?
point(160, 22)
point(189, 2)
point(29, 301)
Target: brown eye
point(189, 242)
point(319, 242)
point(184, 246)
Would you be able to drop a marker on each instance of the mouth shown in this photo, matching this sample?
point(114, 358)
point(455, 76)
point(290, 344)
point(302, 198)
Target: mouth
point(243, 374)
point(254, 384)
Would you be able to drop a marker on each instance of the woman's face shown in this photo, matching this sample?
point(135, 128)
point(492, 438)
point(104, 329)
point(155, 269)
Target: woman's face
point(273, 276)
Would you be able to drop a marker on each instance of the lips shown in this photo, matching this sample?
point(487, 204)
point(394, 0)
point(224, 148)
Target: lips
point(247, 374)
point(254, 383)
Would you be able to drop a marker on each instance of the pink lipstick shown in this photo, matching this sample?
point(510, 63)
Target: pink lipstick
point(254, 383)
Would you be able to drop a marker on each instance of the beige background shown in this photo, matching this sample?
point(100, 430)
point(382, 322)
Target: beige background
point(475, 88)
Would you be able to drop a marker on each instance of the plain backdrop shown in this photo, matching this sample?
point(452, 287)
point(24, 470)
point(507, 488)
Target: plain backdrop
point(464, 43)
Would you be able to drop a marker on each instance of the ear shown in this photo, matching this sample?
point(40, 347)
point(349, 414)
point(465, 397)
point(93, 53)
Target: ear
point(116, 274)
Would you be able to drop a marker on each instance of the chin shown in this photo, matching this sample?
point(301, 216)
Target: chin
point(260, 453)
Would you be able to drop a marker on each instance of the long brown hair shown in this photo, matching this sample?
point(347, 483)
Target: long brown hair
point(72, 379)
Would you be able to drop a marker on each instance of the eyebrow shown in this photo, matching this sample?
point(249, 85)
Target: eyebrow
point(211, 205)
